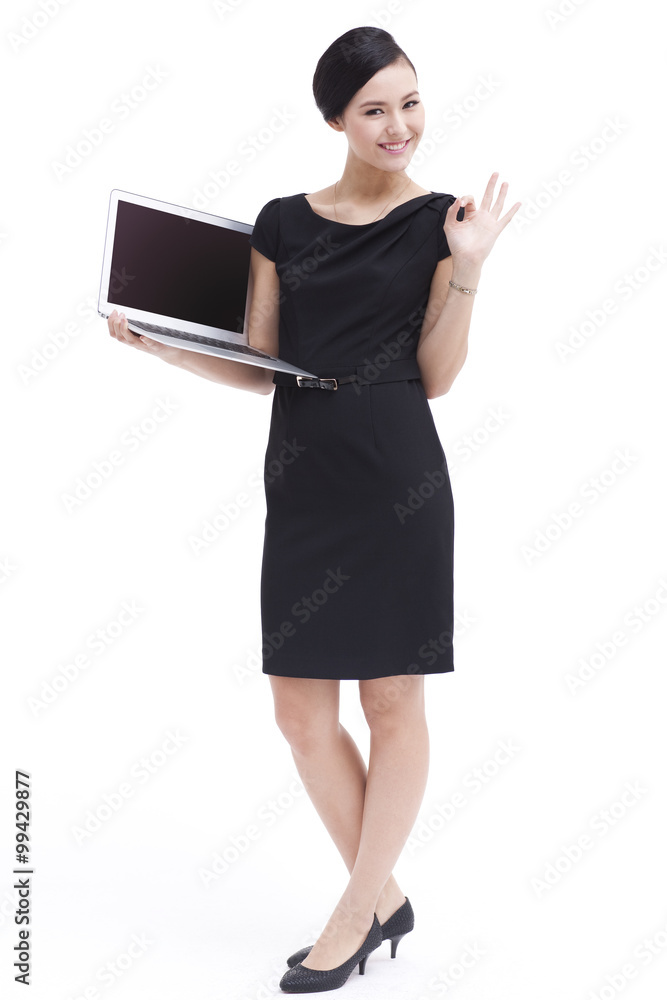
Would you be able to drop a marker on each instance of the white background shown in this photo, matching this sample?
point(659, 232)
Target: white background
point(587, 256)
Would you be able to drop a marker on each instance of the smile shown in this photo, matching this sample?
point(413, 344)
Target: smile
point(394, 147)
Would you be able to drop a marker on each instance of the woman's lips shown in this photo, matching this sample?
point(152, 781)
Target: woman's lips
point(395, 152)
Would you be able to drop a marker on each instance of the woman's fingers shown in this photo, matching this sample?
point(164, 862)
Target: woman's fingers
point(130, 337)
point(119, 329)
point(116, 326)
point(500, 200)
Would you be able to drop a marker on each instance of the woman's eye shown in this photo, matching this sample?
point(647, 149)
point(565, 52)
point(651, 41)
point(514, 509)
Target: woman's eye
point(373, 110)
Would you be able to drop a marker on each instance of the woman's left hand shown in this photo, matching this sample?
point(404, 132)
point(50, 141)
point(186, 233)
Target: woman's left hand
point(473, 237)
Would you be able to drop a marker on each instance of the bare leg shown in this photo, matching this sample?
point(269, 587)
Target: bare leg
point(330, 765)
point(395, 784)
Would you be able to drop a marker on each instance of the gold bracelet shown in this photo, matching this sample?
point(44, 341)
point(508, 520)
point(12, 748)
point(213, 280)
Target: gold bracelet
point(468, 291)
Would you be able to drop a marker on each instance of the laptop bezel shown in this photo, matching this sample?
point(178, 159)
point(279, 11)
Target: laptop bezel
point(105, 308)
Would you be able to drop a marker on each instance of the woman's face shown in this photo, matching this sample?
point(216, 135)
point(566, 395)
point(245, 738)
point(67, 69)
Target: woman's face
point(386, 112)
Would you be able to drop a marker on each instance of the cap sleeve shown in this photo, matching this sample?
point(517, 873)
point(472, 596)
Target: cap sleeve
point(266, 232)
point(443, 246)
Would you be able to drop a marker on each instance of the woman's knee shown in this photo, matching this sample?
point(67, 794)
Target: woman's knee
point(390, 703)
point(306, 713)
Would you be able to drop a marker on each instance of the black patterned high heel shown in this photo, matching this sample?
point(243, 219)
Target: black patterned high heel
point(400, 923)
point(301, 979)
point(395, 927)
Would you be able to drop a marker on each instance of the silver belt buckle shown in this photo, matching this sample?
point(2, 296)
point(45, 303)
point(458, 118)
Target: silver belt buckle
point(303, 380)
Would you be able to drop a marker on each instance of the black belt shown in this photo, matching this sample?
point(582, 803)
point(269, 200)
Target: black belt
point(392, 371)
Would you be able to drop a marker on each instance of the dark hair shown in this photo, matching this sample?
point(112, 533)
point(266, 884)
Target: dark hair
point(349, 63)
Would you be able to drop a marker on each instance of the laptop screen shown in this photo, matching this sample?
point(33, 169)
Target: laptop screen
point(177, 267)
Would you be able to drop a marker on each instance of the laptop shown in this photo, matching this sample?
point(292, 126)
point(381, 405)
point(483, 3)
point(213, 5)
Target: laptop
point(181, 277)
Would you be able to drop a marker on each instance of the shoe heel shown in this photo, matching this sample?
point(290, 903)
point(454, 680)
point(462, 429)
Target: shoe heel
point(362, 965)
point(394, 943)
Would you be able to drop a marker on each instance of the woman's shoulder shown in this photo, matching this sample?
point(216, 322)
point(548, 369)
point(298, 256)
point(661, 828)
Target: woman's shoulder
point(321, 201)
point(442, 196)
point(271, 210)
point(282, 197)
point(324, 197)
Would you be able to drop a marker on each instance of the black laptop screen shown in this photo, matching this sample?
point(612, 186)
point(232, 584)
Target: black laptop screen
point(185, 268)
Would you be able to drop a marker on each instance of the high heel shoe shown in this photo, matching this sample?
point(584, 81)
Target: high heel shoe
point(301, 979)
point(395, 927)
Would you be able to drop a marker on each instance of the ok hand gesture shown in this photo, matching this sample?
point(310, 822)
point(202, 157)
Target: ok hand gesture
point(473, 237)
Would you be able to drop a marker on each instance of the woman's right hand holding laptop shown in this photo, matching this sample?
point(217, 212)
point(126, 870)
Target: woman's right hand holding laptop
point(119, 329)
point(232, 373)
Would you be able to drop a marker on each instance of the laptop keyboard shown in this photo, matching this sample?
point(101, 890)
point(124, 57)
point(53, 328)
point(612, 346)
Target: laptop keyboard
point(200, 339)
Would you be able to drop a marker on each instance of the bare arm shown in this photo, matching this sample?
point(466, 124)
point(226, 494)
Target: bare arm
point(443, 341)
point(261, 324)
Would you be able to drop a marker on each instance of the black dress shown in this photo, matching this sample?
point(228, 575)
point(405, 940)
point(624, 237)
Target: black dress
point(357, 569)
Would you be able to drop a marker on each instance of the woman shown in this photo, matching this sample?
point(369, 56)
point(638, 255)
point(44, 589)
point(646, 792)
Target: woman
point(370, 283)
